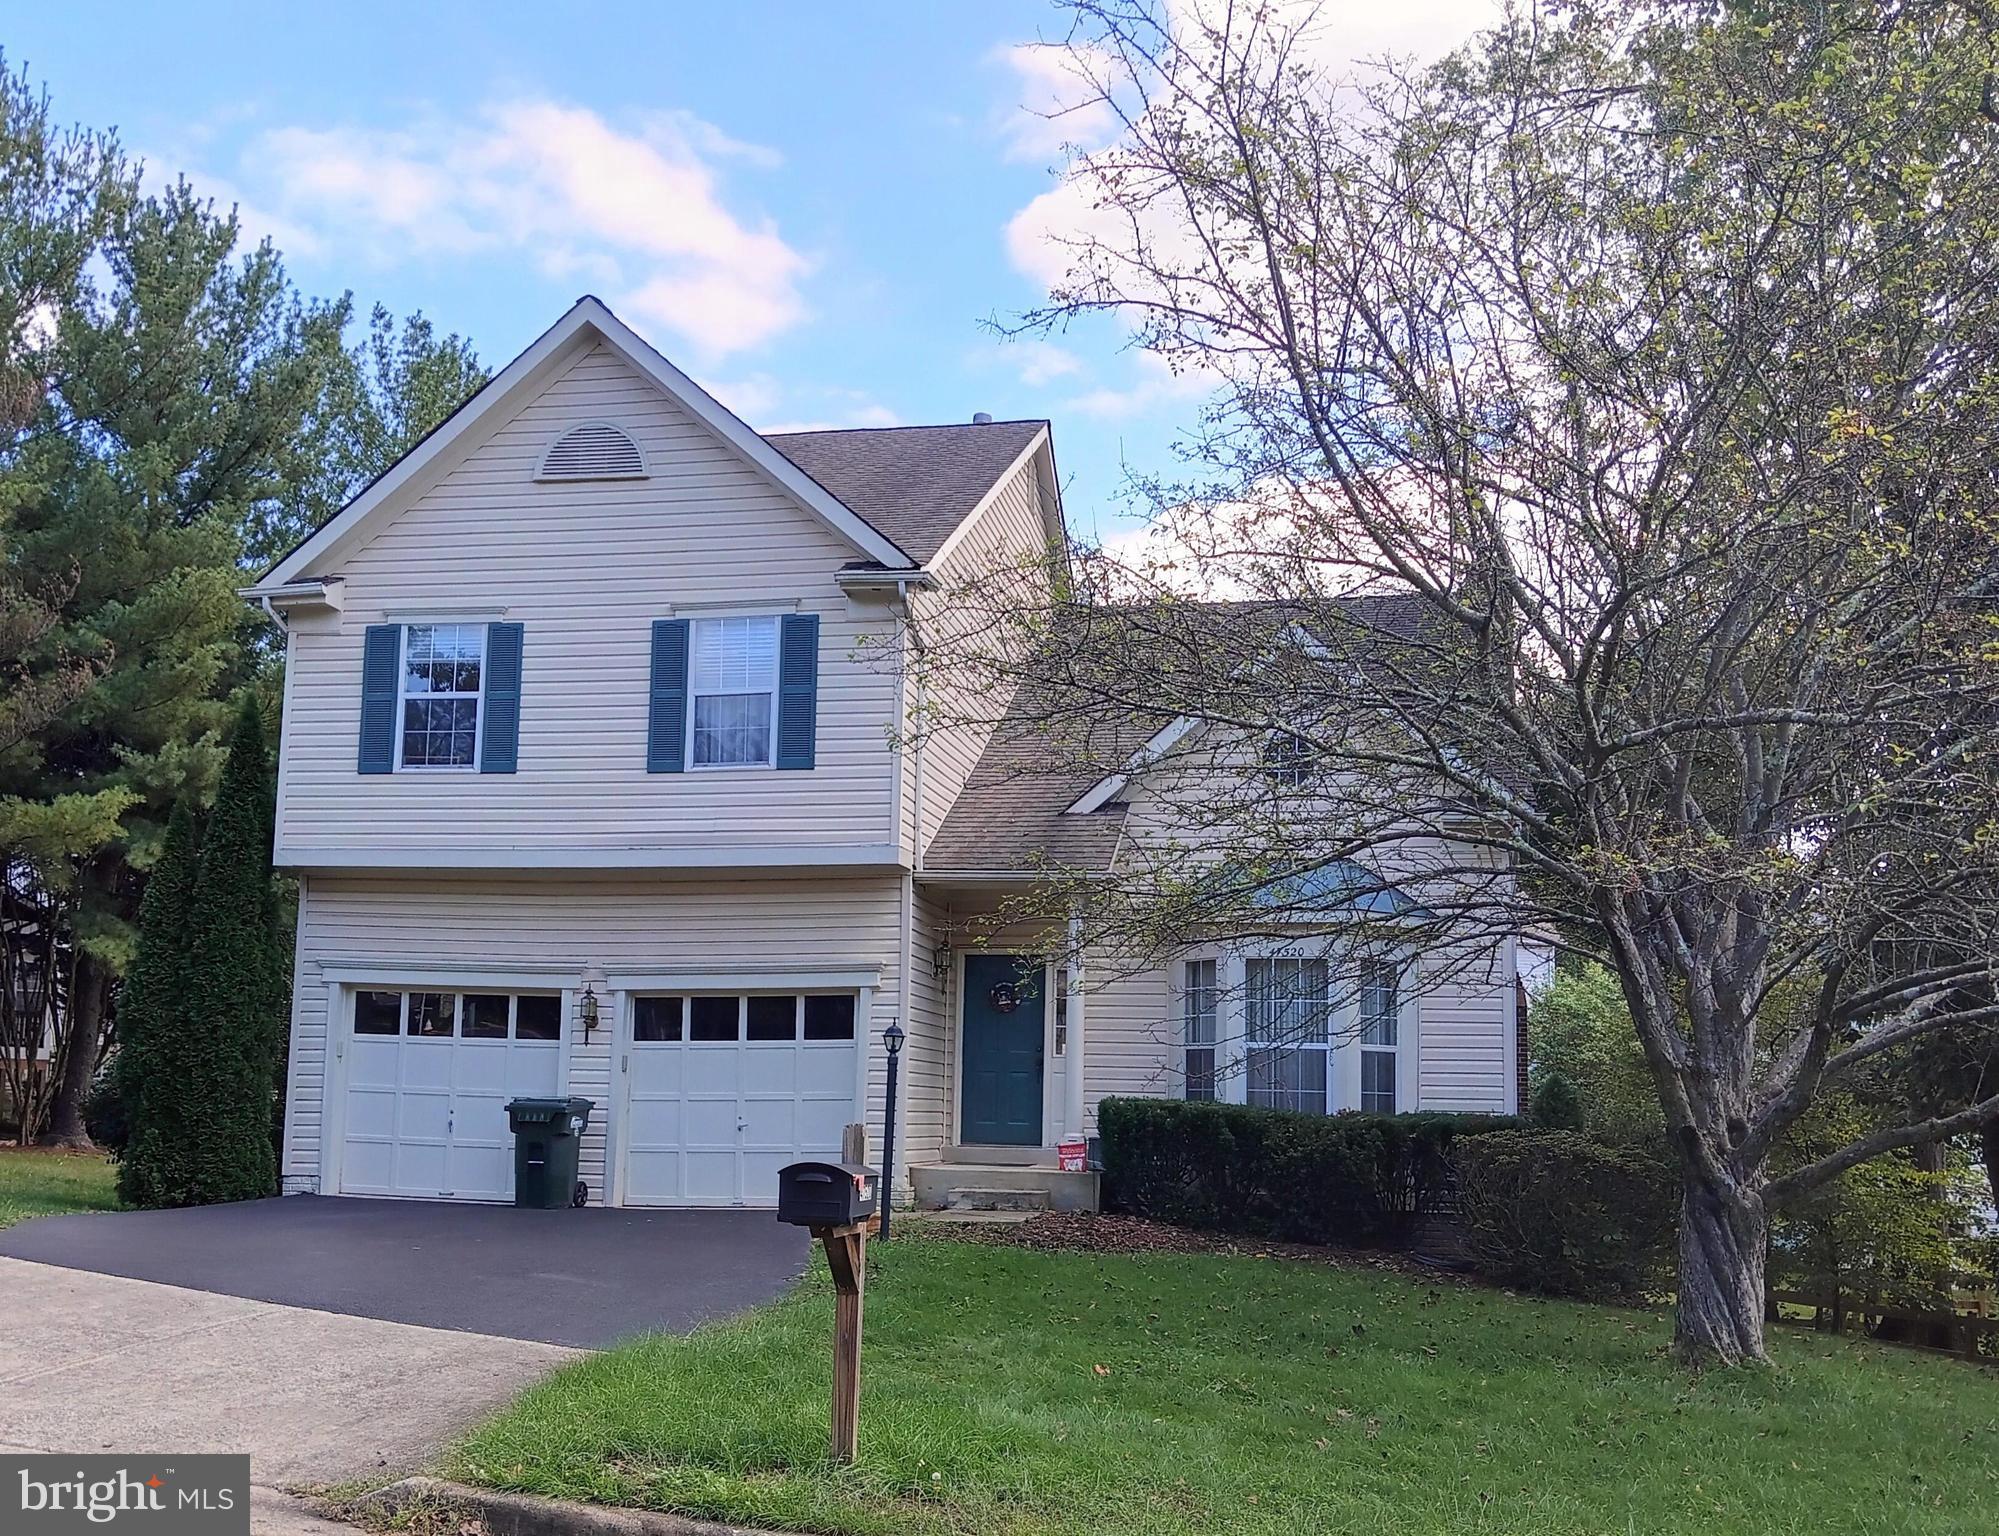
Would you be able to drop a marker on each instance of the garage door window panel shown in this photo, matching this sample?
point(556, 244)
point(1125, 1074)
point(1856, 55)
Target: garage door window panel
point(713, 1020)
point(538, 1018)
point(829, 1017)
point(486, 1015)
point(433, 1013)
point(773, 1018)
point(378, 1013)
point(657, 1020)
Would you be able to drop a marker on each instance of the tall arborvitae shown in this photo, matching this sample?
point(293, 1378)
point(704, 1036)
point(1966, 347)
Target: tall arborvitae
point(211, 1059)
point(155, 993)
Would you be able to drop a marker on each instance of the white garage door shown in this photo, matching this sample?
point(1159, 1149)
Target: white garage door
point(428, 1078)
point(722, 1091)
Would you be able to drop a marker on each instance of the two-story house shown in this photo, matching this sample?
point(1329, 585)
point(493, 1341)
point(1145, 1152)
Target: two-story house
point(595, 777)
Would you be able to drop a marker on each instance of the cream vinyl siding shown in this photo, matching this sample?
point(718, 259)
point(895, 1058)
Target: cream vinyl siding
point(586, 566)
point(957, 720)
point(930, 1060)
point(567, 928)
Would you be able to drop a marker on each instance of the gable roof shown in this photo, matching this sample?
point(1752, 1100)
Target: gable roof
point(586, 320)
point(1048, 788)
point(915, 484)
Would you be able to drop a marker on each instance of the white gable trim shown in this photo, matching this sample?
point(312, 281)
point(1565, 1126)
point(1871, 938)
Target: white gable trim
point(1108, 788)
point(971, 518)
point(587, 316)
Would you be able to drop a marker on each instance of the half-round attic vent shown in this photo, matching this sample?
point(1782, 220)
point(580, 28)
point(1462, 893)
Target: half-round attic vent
point(594, 451)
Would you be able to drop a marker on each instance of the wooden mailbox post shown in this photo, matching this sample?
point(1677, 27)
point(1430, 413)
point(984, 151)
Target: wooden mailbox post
point(847, 1256)
point(836, 1202)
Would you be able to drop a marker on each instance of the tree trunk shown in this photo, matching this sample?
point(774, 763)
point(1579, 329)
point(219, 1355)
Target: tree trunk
point(1988, 1148)
point(85, 1030)
point(1724, 1239)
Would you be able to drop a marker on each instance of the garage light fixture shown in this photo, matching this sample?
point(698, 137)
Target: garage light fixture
point(589, 1010)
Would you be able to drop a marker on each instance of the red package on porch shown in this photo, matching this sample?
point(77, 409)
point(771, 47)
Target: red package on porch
point(1073, 1155)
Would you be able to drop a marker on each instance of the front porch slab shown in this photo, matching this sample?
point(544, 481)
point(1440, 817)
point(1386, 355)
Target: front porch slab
point(963, 1186)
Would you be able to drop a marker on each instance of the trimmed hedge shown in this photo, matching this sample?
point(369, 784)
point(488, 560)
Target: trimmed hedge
point(1568, 1214)
point(1365, 1180)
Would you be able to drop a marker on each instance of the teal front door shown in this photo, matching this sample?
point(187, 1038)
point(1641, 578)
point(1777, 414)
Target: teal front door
point(1002, 1052)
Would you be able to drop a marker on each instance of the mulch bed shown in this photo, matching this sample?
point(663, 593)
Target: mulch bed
point(1067, 1232)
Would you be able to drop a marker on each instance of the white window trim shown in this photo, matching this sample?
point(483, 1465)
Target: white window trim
point(1338, 1023)
point(1219, 1095)
point(1232, 1042)
point(402, 698)
point(769, 763)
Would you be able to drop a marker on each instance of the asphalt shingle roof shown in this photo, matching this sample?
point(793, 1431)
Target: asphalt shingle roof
point(914, 484)
point(1010, 817)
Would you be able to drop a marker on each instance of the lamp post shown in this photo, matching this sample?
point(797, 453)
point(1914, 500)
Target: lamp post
point(892, 1037)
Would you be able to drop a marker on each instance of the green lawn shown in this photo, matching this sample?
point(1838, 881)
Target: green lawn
point(36, 1183)
point(1014, 1391)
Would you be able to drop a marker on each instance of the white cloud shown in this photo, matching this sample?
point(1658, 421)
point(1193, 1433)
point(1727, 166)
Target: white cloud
point(859, 416)
point(636, 210)
point(1156, 384)
point(1058, 104)
point(1342, 38)
point(753, 397)
point(1031, 360)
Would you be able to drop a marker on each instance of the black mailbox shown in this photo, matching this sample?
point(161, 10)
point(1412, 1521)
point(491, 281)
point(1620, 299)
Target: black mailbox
point(826, 1194)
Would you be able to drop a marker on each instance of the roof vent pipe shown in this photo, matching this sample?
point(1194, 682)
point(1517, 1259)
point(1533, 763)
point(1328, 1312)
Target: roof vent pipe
point(982, 418)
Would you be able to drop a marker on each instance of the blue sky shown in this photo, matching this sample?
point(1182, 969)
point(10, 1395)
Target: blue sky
point(810, 207)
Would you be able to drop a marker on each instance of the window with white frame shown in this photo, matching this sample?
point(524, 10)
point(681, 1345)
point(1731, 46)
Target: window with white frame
point(443, 671)
point(1200, 1006)
point(1287, 1016)
point(1378, 1039)
point(732, 689)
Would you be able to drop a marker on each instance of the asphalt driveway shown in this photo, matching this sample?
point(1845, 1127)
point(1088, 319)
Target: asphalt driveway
point(580, 1278)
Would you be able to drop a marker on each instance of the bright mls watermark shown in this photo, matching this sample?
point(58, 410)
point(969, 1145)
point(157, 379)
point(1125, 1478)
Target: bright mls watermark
point(154, 1495)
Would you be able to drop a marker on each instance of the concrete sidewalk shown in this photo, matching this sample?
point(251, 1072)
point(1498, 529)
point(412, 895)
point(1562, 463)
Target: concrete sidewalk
point(92, 1362)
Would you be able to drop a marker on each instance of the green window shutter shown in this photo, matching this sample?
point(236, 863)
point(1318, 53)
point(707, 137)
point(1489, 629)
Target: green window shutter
point(666, 721)
point(381, 664)
point(500, 731)
point(797, 689)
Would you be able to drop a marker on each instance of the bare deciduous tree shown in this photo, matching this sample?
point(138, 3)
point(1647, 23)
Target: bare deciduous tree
point(1607, 419)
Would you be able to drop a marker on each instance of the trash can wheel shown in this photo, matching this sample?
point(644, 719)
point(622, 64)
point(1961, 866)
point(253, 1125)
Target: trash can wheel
point(580, 1196)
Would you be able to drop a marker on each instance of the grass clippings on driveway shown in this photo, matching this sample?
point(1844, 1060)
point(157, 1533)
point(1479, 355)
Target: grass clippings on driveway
point(38, 1182)
point(1014, 1391)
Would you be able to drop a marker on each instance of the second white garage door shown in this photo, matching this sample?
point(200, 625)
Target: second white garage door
point(722, 1091)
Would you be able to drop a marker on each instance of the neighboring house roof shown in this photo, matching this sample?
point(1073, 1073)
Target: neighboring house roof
point(895, 495)
point(914, 484)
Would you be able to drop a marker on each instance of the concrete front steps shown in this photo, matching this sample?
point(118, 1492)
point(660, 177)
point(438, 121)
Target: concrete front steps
point(1012, 1179)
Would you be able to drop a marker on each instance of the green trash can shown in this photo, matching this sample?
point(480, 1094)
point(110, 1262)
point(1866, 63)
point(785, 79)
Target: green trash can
point(548, 1134)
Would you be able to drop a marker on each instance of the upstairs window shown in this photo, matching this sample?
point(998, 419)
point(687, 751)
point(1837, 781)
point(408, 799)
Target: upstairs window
point(1288, 760)
point(443, 673)
point(732, 689)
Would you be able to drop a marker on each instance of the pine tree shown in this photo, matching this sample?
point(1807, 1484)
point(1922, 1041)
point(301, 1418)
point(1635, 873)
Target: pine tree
point(210, 1031)
point(156, 990)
